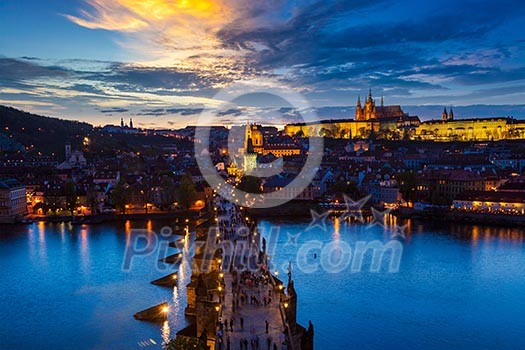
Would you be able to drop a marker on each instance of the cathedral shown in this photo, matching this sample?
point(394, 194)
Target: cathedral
point(447, 116)
point(372, 112)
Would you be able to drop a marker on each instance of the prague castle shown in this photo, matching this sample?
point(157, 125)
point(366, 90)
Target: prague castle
point(369, 119)
point(371, 112)
point(390, 122)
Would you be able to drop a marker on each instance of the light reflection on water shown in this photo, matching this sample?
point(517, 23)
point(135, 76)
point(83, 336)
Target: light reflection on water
point(69, 282)
point(459, 286)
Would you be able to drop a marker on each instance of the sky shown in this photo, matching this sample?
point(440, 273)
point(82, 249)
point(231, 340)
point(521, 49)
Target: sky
point(161, 62)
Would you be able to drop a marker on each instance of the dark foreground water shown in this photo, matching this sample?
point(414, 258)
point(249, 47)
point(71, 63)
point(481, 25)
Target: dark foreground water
point(461, 287)
point(458, 287)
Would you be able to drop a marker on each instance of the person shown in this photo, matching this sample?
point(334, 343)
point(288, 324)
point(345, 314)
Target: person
point(228, 344)
point(267, 325)
point(268, 342)
point(225, 323)
point(231, 324)
point(242, 323)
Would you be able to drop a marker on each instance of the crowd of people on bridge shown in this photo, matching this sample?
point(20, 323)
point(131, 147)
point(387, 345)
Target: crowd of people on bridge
point(248, 289)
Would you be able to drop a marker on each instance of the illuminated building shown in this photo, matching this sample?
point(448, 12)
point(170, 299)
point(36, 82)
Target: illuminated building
point(390, 122)
point(491, 201)
point(13, 203)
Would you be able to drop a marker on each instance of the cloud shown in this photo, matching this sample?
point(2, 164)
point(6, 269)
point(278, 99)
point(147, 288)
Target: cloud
point(187, 111)
point(179, 32)
point(181, 53)
point(114, 110)
point(19, 70)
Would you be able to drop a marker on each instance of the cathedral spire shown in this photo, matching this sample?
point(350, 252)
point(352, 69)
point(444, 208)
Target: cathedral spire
point(370, 95)
point(382, 102)
point(444, 115)
point(359, 109)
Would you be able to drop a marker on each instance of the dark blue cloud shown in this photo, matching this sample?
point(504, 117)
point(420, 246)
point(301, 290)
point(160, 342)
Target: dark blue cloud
point(412, 52)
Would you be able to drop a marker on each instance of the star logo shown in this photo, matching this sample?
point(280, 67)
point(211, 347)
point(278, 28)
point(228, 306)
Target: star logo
point(379, 217)
point(354, 208)
point(292, 239)
point(318, 220)
point(399, 231)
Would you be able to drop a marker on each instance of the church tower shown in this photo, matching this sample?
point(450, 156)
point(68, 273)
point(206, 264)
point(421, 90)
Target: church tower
point(444, 115)
point(359, 110)
point(121, 122)
point(369, 107)
point(68, 151)
point(130, 123)
point(451, 115)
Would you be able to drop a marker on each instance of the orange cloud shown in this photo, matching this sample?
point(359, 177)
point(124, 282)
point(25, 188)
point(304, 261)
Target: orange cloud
point(182, 20)
point(176, 33)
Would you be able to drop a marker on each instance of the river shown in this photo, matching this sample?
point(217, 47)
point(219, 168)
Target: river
point(457, 286)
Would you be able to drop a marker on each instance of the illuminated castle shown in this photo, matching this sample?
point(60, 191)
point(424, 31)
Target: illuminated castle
point(390, 122)
point(371, 112)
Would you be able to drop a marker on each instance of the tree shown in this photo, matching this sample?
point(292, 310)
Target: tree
point(168, 192)
point(92, 197)
point(146, 190)
point(185, 343)
point(407, 183)
point(70, 190)
point(53, 198)
point(346, 187)
point(324, 132)
point(250, 184)
point(186, 191)
point(120, 196)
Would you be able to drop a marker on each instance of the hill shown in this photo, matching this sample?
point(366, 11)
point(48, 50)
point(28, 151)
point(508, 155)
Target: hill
point(21, 130)
point(31, 133)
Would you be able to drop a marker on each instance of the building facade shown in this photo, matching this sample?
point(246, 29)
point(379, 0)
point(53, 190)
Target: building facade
point(13, 203)
point(392, 122)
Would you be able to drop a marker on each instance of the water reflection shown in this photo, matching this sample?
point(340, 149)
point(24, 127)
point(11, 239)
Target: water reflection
point(443, 285)
point(42, 252)
point(84, 249)
point(166, 333)
point(487, 234)
point(337, 228)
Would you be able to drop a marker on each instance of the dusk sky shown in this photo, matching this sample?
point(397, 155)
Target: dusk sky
point(161, 61)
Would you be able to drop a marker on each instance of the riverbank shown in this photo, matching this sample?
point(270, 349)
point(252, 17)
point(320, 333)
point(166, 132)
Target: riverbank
point(461, 217)
point(113, 217)
point(302, 209)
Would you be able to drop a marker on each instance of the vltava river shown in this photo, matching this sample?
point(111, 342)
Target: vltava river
point(64, 287)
